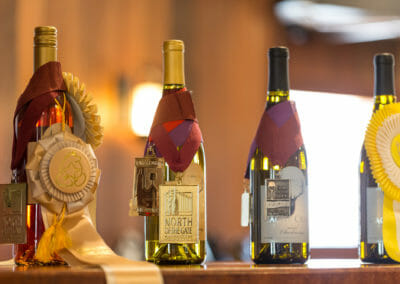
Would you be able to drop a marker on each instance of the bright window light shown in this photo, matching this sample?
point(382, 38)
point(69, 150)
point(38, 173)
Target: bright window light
point(333, 127)
point(145, 98)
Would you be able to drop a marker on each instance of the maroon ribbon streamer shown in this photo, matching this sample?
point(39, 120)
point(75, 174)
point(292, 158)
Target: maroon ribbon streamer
point(278, 135)
point(175, 106)
point(45, 85)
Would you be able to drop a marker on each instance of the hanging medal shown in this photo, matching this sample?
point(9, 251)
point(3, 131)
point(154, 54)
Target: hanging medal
point(149, 174)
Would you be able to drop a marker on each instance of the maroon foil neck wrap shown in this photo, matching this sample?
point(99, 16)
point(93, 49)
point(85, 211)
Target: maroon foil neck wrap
point(174, 107)
point(45, 85)
point(278, 135)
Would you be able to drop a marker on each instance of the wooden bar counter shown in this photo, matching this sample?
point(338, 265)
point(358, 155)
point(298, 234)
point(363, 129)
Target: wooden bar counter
point(315, 271)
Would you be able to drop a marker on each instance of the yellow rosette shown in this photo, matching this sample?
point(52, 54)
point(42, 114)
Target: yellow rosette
point(382, 143)
point(86, 120)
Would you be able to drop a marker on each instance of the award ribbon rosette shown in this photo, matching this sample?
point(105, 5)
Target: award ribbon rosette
point(278, 137)
point(382, 143)
point(62, 175)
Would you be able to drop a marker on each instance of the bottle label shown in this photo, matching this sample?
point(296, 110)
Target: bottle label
point(179, 214)
point(285, 208)
point(374, 214)
point(13, 213)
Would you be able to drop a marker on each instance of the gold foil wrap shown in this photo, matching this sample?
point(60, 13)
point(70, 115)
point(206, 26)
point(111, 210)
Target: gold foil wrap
point(173, 62)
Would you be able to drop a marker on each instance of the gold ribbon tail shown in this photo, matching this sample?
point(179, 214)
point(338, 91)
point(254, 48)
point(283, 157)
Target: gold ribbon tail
point(391, 227)
point(54, 239)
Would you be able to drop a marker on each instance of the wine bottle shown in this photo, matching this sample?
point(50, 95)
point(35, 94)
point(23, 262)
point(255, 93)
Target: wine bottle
point(45, 50)
point(278, 191)
point(371, 196)
point(178, 252)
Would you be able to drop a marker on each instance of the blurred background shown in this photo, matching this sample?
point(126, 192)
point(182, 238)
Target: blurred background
point(114, 46)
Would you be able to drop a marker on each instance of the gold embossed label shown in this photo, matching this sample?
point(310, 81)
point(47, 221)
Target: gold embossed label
point(13, 213)
point(179, 214)
point(69, 170)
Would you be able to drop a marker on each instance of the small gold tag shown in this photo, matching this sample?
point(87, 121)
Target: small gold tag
point(13, 213)
point(149, 174)
point(179, 214)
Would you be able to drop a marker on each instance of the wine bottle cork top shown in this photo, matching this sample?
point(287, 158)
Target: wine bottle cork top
point(384, 58)
point(173, 45)
point(279, 51)
point(45, 36)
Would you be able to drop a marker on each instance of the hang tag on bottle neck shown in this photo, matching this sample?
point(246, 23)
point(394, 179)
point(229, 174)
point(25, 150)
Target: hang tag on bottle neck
point(245, 212)
point(149, 174)
point(13, 213)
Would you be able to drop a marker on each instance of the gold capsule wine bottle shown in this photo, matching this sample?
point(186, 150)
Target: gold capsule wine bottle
point(178, 253)
point(45, 50)
point(282, 235)
point(371, 196)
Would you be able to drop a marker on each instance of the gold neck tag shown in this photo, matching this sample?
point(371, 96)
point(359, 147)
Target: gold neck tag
point(13, 213)
point(149, 174)
point(179, 214)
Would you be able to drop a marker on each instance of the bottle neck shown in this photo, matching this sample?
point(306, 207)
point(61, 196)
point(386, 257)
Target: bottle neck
point(174, 75)
point(383, 85)
point(278, 81)
point(381, 100)
point(276, 97)
point(43, 55)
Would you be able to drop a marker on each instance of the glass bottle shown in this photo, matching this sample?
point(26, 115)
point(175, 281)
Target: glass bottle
point(280, 238)
point(45, 50)
point(177, 253)
point(371, 196)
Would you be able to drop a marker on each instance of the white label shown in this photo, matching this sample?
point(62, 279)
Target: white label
point(285, 208)
point(374, 214)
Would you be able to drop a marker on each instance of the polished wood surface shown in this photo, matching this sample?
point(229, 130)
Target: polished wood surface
point(315, 271)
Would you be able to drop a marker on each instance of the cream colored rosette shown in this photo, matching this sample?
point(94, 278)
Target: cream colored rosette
point(86, 120)
point(382, 143)
point(62, 170)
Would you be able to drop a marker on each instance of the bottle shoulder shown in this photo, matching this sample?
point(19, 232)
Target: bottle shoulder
point(298, 159)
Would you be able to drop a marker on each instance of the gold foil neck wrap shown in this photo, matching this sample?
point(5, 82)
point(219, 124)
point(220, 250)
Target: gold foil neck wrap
point(45, 46)
point(173, 62)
